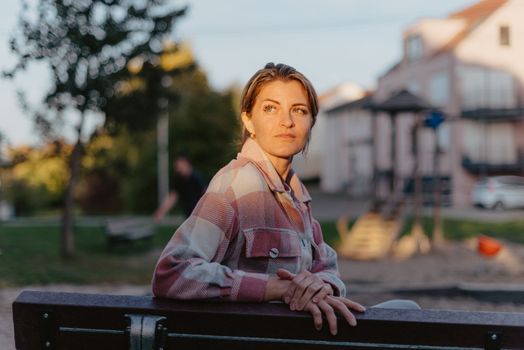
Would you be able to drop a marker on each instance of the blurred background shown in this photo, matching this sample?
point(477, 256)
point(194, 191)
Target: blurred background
point(416, 163)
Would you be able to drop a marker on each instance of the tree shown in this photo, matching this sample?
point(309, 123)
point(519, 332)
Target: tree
point(87, 45)
point(36, 177)
point(105, 165)
point(202, 122)
point(203, 126)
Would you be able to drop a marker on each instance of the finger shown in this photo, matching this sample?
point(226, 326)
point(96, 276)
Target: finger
point(288, 294)
point(292, 289)
point(329, 313)
point(302, 286)
point(353, 305)
point(311, 291)
point(342, 308)
point(284, 274)
point(317, 315)
point(323, 293)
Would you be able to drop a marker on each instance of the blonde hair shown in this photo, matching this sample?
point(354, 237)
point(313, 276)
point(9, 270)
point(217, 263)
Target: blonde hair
point(273, 72)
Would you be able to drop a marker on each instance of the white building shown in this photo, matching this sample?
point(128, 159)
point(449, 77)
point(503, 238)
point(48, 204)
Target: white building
point(313, 164)
point(470, 65)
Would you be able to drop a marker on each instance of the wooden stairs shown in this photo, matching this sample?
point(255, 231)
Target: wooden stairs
point(370, 238)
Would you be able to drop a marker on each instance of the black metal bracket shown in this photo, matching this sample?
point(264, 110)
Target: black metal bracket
point(48, 327)
point(146, 332)
point(493, 340)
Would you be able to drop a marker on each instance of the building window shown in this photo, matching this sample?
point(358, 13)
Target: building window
point(504, 36)
point(483, 87)
point(414, 48)
point(439, 89)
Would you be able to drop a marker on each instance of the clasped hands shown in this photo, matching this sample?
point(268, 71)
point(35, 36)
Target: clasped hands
point(306, 291)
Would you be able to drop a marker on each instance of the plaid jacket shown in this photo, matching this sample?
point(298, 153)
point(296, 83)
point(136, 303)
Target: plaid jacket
point(246, 226)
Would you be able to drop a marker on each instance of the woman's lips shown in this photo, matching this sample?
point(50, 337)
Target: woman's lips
point(286, 136)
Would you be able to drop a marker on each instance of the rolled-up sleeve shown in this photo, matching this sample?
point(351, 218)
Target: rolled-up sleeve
point(325, 262)
point(190, 268)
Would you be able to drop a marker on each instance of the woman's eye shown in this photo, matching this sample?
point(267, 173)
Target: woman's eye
point(300, 111)
point(269, 108)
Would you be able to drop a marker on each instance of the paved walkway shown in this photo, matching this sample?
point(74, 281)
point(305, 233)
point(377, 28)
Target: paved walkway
point(328, 206)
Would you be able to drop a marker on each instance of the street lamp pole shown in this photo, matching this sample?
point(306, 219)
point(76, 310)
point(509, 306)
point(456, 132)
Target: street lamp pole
point(171, 58)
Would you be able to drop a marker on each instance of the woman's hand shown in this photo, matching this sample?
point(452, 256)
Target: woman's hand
point(304, 287)
point(322, 302)
point(275, 288)
point(328, 306)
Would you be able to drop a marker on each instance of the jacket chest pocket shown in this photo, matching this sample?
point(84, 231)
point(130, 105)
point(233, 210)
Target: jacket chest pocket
point(268, 249)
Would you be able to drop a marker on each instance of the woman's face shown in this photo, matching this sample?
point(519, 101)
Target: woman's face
point(280, 119)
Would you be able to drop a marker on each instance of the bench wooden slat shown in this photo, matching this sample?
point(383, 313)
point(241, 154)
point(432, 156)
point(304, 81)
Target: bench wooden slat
point(90, 321)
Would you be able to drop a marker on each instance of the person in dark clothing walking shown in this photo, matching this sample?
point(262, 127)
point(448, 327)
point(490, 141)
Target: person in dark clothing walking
point(189, 185)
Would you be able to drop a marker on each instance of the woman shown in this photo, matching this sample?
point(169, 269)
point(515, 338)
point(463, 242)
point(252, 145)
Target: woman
point(252, 236)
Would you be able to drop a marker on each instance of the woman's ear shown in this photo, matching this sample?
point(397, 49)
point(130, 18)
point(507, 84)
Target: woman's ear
point(248, 122)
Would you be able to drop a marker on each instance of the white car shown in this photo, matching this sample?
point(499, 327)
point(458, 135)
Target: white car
point(499, 192)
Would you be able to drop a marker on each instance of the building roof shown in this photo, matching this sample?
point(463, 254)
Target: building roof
point(402, 101)
point(472, 16)
point(398, 102)
point(478, 11)
point(361, 103)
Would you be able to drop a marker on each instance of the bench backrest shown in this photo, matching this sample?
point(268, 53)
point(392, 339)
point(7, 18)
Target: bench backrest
point(47, 320)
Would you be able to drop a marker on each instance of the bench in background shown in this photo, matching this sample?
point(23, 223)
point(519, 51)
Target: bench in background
point(129, 230)
point(48, 320)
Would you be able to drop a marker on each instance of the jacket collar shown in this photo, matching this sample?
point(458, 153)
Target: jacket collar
point(254, 153)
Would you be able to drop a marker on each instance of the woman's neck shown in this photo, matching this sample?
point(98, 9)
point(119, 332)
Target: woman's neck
point(282, 166)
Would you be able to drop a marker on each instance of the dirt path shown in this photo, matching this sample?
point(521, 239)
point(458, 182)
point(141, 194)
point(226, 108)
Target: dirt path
point(458, 266)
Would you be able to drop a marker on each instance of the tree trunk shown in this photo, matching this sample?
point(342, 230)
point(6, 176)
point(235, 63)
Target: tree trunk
point(68, 242)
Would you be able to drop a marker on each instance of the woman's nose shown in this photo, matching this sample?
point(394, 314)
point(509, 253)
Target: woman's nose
point(287, 120)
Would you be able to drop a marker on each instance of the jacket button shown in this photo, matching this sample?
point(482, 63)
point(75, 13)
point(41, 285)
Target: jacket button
point(273, 252)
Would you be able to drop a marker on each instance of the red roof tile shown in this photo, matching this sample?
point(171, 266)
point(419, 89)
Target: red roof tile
point(478, 11)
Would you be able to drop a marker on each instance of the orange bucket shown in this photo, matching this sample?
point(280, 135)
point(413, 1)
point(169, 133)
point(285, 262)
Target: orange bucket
point(488, 246)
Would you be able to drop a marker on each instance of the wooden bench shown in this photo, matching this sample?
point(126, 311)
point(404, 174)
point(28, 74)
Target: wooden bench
point(47, 320)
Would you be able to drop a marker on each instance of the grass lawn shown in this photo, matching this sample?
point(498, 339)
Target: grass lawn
point(453, 229)
point(31, 255)
point(460, 229)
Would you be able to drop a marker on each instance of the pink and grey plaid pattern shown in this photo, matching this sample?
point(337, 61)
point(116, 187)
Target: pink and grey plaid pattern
point(246, 226)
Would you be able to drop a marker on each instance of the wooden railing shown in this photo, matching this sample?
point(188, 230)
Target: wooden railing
point(47, 320)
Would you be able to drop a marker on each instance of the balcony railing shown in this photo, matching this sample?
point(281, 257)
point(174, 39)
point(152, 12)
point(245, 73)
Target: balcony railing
point(494, 114)
point(490, 168)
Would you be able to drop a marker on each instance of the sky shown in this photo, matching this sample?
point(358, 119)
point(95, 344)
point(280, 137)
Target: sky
point(330, 41)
